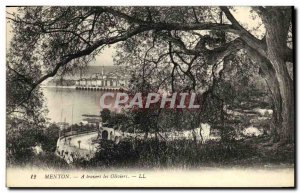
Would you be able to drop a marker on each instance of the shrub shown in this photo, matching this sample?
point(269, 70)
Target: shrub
point(178, 153)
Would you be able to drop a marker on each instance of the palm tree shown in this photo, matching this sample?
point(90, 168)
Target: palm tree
point(79, 143)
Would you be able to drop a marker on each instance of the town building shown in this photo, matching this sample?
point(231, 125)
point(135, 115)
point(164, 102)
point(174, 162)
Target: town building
point(91, 77)
point(102, 79)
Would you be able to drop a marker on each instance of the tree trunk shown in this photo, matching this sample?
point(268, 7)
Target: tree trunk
point(277, 25)
point(286, 132)
point(269, 74)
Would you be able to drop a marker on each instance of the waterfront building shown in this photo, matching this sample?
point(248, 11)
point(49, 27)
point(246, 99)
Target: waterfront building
point(109, 79)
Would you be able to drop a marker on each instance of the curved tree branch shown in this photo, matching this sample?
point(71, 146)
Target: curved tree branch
point(252, 41)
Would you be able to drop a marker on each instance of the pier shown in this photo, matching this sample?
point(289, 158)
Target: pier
point(98, 88)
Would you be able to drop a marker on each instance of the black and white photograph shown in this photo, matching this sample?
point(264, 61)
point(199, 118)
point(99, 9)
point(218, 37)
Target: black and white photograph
point(150, 96)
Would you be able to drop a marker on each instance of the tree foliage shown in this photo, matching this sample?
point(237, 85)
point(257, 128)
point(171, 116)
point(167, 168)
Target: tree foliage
point(182, 47)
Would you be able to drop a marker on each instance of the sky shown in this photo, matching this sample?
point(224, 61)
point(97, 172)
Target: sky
point(103, 59)
point(242, 14)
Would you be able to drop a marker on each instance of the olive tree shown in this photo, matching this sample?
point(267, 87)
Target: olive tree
point(49, 41)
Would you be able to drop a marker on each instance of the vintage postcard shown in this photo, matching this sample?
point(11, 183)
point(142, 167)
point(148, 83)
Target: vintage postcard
point(150, 96)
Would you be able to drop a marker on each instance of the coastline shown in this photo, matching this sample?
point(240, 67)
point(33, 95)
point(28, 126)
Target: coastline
point(50, 86)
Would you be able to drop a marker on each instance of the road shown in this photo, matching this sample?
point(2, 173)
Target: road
point(86, 141)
